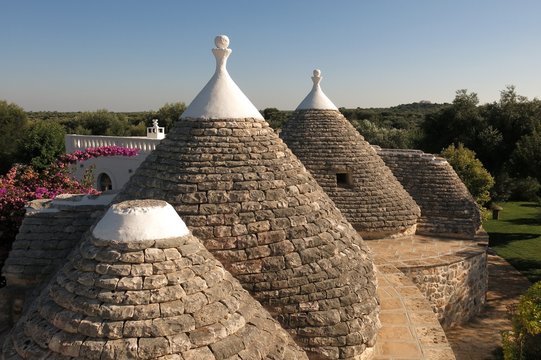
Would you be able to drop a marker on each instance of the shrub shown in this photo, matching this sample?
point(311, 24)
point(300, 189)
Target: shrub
point(524, 341)
point(471, 171)
point(41, 144)
point(516, 189)
point(526, 189)
point(24, 183)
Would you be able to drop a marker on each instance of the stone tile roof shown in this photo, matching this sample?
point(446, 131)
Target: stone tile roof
point(373, 200)
point(447, 208)
point(255, 207)
point(163, 298)
point(48, 233)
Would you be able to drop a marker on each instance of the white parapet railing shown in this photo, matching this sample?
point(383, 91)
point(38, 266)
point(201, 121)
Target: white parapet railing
point(81, 142)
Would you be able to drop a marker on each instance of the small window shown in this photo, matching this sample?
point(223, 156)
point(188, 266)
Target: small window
point(343, 179)
point(104, 182)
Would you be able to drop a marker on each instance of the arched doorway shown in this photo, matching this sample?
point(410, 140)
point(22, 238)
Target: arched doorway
point(104, 182)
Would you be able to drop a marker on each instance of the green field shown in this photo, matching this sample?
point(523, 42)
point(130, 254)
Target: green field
point(516, 237)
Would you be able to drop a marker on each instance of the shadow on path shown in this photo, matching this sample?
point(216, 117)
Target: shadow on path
point(480, 338)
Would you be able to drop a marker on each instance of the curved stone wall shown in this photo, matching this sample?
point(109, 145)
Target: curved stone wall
point(456, 289)
point(452, 274)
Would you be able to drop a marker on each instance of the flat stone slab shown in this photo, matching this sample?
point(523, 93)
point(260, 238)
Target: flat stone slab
point(410, 329)
point(415, 251)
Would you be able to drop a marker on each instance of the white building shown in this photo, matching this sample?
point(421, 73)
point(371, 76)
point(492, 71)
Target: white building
point(112, 172)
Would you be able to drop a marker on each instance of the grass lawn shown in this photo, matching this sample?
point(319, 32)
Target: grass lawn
point(516, 237)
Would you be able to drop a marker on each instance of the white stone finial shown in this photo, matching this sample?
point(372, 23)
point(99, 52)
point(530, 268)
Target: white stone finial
point(317, 77)
point(221, 98)
point(316, 99)
point(221, 41)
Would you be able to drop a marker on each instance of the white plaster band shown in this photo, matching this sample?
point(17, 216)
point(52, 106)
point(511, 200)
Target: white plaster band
point(139, 220)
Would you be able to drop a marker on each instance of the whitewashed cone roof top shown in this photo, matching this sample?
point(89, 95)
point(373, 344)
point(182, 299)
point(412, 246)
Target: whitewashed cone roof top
point(221, 98)
point(348, 168)
point(316, 99)
point(124, 223)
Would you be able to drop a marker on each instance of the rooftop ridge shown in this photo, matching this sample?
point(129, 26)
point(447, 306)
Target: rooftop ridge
point(221, 98)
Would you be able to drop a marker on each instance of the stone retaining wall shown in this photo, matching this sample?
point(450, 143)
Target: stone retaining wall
point(456, 287)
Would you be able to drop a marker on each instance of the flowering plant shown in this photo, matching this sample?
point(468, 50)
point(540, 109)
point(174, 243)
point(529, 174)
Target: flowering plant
point(24, 183)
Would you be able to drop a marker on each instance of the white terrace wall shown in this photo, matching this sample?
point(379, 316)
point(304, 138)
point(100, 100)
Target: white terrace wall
point(117, 169)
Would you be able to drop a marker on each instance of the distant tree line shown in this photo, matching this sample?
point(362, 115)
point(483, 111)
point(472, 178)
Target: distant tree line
point(37, 138)
point(504, 135)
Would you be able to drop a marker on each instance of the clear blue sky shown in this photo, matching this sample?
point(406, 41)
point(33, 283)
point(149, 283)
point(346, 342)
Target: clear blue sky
point(133, 55)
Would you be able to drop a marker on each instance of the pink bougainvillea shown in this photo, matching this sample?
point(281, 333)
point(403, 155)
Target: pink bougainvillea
point(23, 183)
point(80, 155)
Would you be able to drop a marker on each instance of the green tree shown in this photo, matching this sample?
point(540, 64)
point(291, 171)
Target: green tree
point(471, 171)
point(168, 114)
point(526, 158)
point(41, 144)
point(275, 117)
point(118, 126)
point(97, 122)
point(13, 120)
point(386, 137)
point(461, 122)
point(514, 116)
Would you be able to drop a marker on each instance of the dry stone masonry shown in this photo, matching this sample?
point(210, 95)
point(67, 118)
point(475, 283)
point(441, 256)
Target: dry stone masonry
point(455, 286)
point(348, 168)
point(447, 208)
point(152, 295)
point(48, 233)
point(255, 207)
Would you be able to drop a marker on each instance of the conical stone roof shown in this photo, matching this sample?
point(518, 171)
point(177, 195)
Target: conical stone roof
point(142, 287)
point(256, 208)
point(447, 207)
point(348, 168)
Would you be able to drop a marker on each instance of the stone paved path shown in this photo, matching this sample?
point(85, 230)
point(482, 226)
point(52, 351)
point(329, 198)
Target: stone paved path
point(410, 329)
point(480, 338)
point(403, 316)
